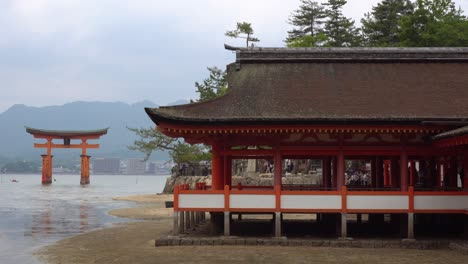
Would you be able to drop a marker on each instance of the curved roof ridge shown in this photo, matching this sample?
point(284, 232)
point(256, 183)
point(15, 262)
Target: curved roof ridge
point(350, 49)
point(33, 131)
point(323, 54)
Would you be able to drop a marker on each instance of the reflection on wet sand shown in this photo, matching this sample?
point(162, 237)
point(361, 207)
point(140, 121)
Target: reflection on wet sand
point(67, 219)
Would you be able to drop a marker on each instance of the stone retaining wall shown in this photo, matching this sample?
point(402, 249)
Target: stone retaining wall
point(257, 179)
point(461, 247)
point(283, 241)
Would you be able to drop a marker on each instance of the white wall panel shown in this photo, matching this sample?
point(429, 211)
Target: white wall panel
point(378, 202)
point(252, 201)
point(310, 202)
point(201, 201)
point(441, 202)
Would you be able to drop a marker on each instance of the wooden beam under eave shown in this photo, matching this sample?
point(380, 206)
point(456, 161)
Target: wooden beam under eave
point(70, 137)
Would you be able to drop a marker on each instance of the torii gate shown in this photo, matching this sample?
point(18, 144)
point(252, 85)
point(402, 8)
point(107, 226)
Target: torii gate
point(67, 136)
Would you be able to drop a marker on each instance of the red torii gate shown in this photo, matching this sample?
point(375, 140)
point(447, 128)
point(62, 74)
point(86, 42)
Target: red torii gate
point(67, 136)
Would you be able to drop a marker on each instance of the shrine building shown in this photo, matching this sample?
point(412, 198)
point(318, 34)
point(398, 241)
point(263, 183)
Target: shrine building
point(403, 111)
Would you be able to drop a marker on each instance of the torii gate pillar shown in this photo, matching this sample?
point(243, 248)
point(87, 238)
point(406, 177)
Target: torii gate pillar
point(46, 169)
point(84, 169)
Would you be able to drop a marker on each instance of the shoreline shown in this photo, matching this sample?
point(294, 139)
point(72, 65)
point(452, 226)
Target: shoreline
point(148, 207)
point(134, 242)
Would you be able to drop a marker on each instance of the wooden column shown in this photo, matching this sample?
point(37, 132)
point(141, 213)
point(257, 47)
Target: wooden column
point(386, 174)
point(216, 168)
point(326, 172)
point(374, 172)
point(404, 170)
point(278, 168)
point(176, 216)
point(46, 169)
point(412, 174)
point(344, 225)
point(84, 169)
point(227, 167)
point(227, 223)
point(432, 170)
point(452, 172)
point(465, 170)
point(334, 173)
point(394, 173)
point(379, 172)
point(50, 157)
point(278, 222)
point(340, 170)
point(410, 226)
point(440, 171)
point(277, 187)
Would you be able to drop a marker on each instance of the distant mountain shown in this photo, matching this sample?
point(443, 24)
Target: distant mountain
point(17, 144)
point(179, 102)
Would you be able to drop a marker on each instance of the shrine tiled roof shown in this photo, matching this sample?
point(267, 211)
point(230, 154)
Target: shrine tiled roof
point(310, 85)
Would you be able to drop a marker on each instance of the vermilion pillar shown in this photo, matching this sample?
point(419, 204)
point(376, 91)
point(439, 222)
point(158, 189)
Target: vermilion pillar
point(340, 170)
point(452, 172)
point(84, 169)
point(46, 169)
point(227, 170)
point(278, 168)
point(326, 172)
point(374, 172)
point(379, 172)
point(465, 170)
point(412, 175)
point(386, 174)
point(394, 171)
point(334, 173)
point(440, 172)
point(404, 170)
point(216, 168)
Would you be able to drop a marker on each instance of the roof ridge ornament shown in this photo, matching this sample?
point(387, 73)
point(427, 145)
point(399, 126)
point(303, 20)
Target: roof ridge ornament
point(358, 54)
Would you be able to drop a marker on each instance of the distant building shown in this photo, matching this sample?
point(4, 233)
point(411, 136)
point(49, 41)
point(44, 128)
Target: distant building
point(106, 165)
point(152, 168)
point(136, 166)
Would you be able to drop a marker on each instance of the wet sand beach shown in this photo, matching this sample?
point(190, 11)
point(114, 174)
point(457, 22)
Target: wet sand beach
point(134, 243)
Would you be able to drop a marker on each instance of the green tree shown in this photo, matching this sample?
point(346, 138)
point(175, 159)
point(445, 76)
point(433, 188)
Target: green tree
point(339, 29)
point(436, 23)
point(380, 28)
point(307, 21)
point(151, 139)
point(243, 30)
point(213, 86)
point(309, 41)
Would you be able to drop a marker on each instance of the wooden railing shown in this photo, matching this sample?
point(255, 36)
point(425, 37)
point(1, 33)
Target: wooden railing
point(276, 199)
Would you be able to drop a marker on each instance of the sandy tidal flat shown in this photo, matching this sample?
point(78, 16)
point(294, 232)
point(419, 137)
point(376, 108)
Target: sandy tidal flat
point(134, 243)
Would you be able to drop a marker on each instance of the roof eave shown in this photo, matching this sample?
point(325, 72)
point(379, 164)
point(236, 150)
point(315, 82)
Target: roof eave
point(160, 117)
point(64, 133)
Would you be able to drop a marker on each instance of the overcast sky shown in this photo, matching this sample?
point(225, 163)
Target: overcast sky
point(58, 51)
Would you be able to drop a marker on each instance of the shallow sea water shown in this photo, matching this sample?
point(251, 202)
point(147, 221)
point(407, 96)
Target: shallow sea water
point(33, 215)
